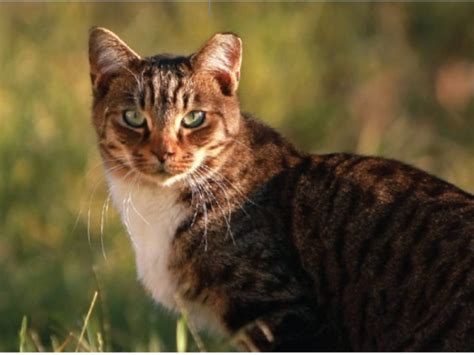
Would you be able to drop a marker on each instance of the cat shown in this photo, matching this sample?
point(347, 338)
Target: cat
point(280, 249)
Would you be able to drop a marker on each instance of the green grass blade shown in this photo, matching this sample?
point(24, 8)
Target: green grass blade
point(100, 342)
point(103, 322)
point(55, 344)
point(91, 336)
point(181, 335)
point(154, 343)
point(22, 334)
point(86, 321)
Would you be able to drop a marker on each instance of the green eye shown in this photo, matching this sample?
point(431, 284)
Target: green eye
point(193, 119)
point(134, 118)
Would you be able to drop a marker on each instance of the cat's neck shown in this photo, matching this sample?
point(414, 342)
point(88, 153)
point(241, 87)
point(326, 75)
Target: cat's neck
point(258, 154)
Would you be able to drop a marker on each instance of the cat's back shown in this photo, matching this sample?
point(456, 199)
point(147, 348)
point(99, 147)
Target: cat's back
point(390, 250)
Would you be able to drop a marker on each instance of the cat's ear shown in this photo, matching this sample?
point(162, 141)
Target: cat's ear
point(107, 54)
point(222, 56)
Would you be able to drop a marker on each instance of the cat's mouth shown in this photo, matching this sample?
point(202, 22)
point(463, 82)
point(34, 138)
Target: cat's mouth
point(163, 174)
point(168, 170)
point(160, 168)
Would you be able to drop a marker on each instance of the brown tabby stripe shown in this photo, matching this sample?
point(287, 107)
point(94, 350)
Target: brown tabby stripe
point(177, 91)
point(150, 90)
point(331, 252)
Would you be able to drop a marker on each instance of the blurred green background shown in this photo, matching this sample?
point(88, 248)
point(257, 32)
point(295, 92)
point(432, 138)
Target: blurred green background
point(374, 78)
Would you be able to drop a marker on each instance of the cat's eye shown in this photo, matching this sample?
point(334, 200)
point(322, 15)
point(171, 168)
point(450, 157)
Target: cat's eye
point(193, 119)
point(134, 118)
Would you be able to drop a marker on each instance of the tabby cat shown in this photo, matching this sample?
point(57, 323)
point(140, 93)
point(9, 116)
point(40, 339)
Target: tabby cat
point(281, 249)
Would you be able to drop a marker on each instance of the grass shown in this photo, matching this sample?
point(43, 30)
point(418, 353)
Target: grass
point(91, 337)
point(359, 77)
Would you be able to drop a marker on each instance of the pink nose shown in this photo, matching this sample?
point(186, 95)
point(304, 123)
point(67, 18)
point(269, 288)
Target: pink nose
point(163, 151)
point(163, 156)
point(162, 148)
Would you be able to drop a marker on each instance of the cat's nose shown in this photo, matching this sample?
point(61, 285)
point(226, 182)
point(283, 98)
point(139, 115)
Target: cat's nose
point(163, 153)
point(163, 148)
point(162, 157)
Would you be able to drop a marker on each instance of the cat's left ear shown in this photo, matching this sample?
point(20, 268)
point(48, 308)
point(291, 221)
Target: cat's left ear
point(108, 54)
point(222, 57)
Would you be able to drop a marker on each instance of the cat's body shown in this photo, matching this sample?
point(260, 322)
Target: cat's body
point(287, 250)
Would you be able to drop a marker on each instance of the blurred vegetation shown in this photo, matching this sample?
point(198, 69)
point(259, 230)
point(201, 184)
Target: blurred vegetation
point(375, 78)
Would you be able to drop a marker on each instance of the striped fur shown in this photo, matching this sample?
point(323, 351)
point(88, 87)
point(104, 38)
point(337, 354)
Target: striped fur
point(283, 250)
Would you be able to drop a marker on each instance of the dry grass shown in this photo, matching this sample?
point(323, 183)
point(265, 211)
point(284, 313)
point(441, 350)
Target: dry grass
point(387, 79)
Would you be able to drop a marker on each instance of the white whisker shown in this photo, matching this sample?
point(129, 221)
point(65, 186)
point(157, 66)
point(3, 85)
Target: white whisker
point(89, 228)
point(104, 207)
point(191, 185)
point(242, 144)
point(137, 184)
point(208, 189)
point(204, 207)
point(227, 182)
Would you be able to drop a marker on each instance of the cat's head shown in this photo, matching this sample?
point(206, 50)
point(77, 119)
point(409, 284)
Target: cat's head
point(161, 118)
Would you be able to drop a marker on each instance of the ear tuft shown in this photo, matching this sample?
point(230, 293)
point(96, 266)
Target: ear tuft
point(107, 53)
point(221, 55)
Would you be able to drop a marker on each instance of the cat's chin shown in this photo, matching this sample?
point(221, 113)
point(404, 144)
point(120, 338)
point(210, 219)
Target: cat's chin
point(162, 179)
point(172, 180)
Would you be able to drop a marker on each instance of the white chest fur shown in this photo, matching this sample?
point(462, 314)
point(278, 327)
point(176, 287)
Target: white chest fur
point(151, 216)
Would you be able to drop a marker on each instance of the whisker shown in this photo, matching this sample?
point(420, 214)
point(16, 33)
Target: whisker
point(242, 144)
point(105, 205)
point(208, 189)
point(125, 213)
point(89, 210)
point(190, 182)
point(137, 184)
point(104, 209)
point(204, 207)
point(205, 227)
point(225, 180)
point(235, 187)
point(79, 213)
point(229, 206)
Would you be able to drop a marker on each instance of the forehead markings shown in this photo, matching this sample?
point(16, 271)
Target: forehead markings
point(176, 92)
point(150, 89)
point(137, 95)
point(168, 88)
point(178, 95)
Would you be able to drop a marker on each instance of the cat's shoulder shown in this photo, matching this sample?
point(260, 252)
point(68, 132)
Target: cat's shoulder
point(380, 173)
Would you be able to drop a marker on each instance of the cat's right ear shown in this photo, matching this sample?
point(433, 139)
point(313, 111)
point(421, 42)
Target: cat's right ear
point(107, 54)
point(221, 56)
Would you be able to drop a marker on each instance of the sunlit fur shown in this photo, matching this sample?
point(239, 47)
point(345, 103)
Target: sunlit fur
point(279, 249)
point(149, 168)
point(164, 89)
